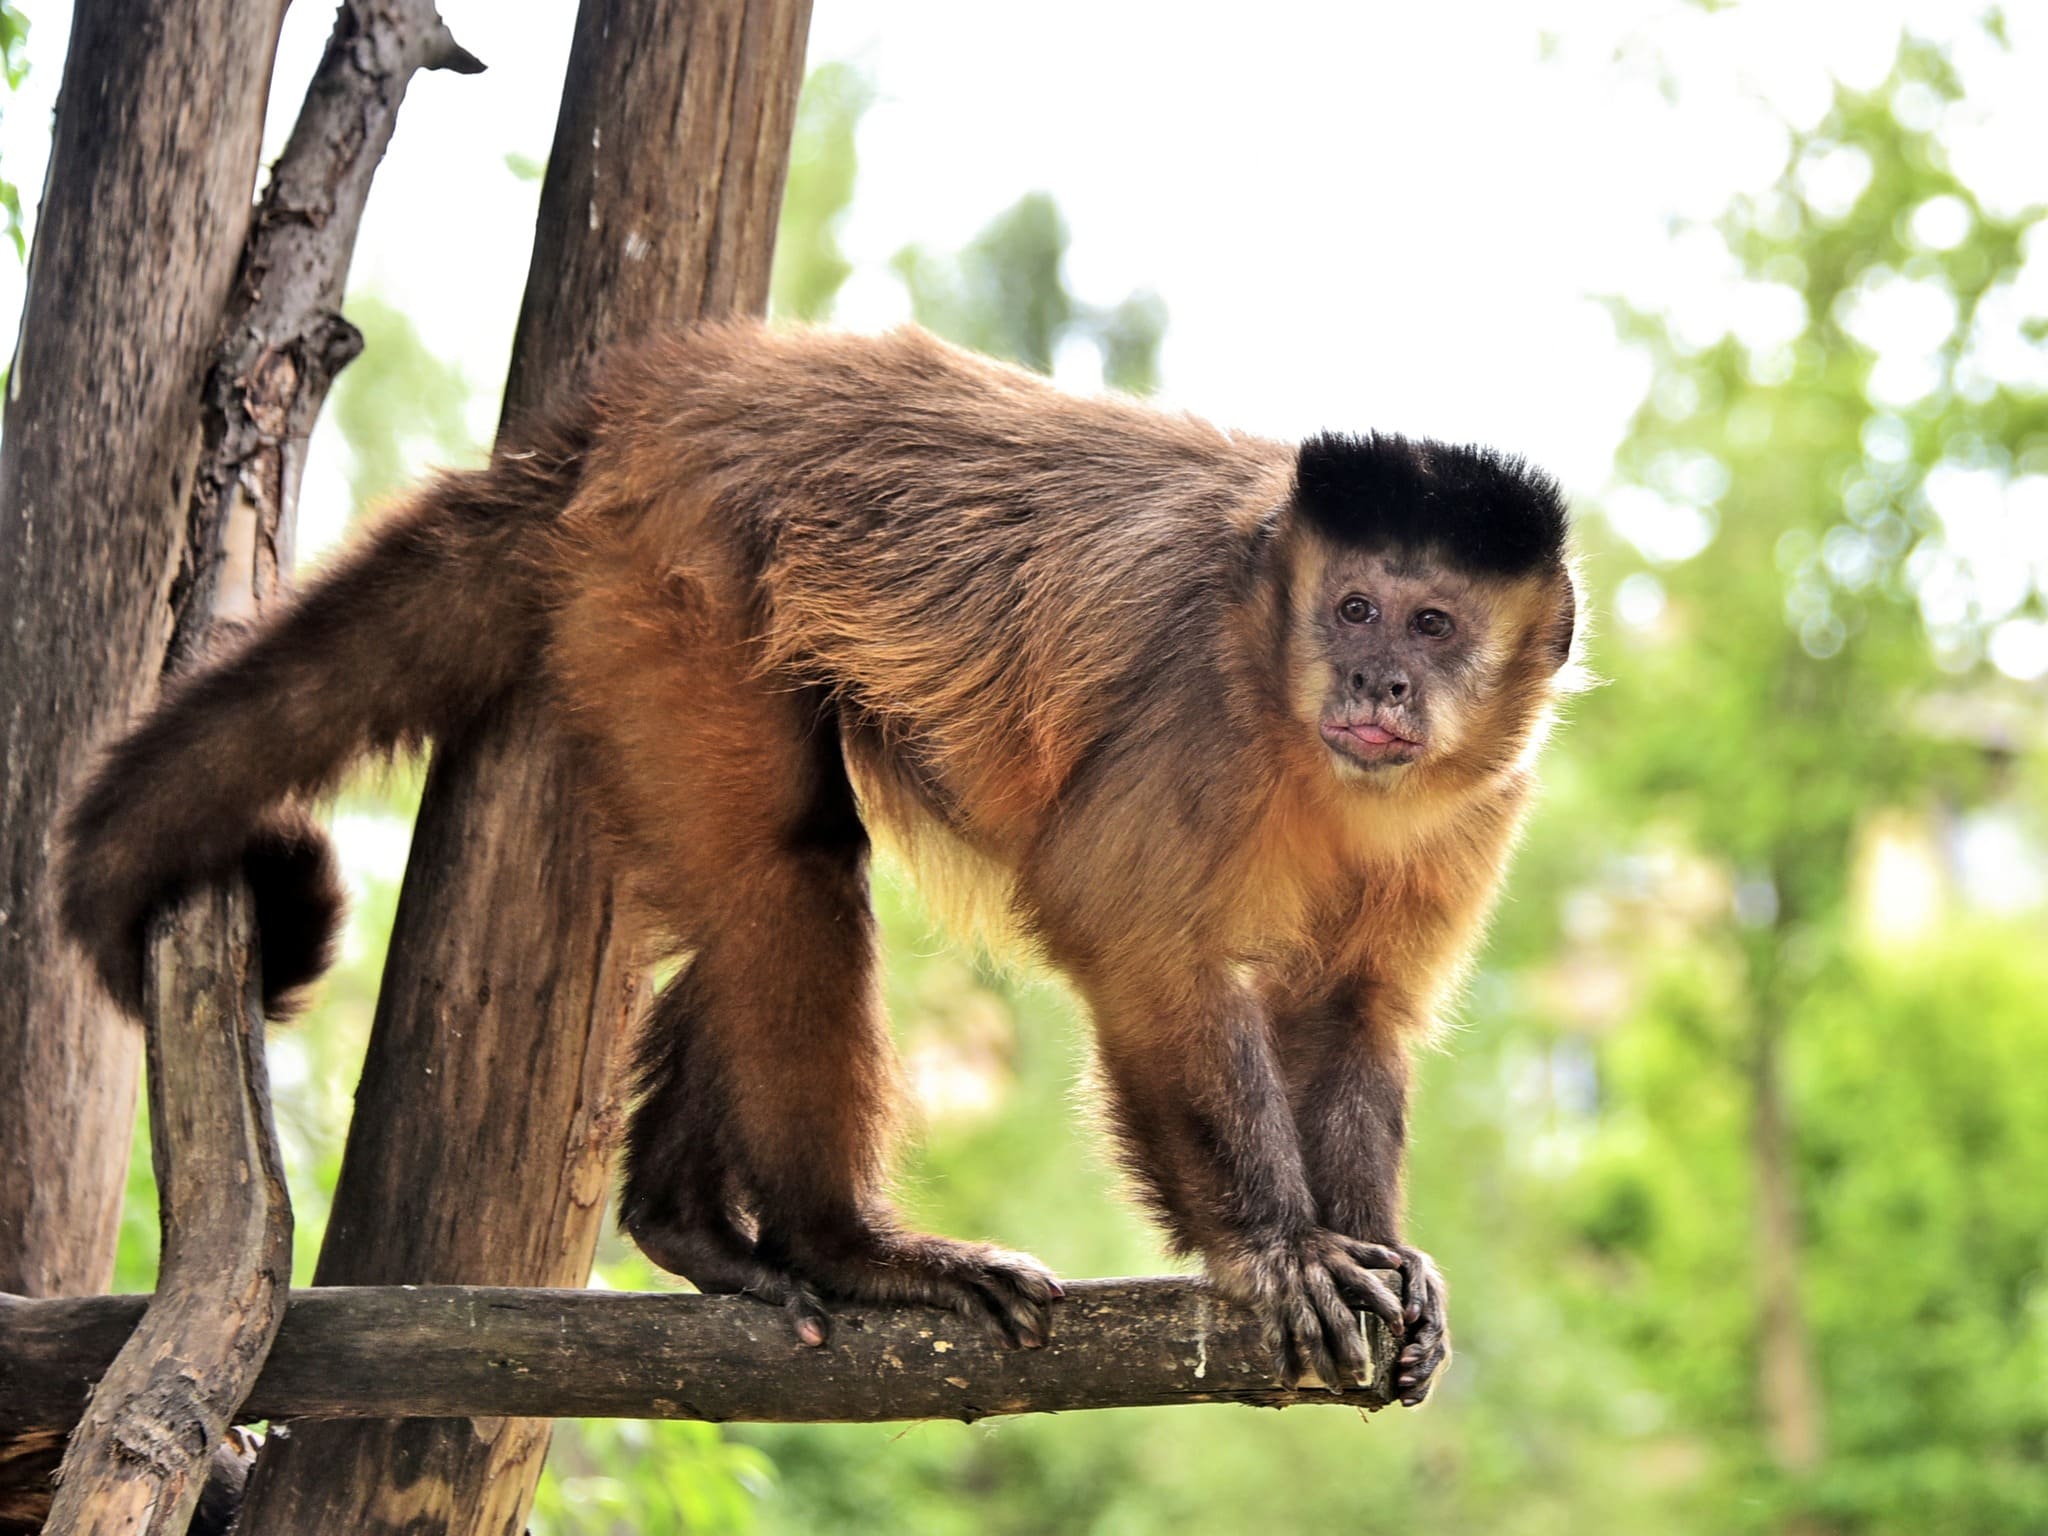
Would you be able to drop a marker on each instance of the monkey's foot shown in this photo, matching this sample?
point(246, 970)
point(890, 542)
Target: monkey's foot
point(1010, 1294)
point(1310, 1293)
point(721, 1261)
point(1425, 1326)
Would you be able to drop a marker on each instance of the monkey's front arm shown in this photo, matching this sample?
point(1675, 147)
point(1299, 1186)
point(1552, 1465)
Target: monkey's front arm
point(1284, 1194)
point(1343, 1053)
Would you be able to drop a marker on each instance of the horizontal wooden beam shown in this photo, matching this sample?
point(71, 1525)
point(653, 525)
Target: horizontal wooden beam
point(385, 1352)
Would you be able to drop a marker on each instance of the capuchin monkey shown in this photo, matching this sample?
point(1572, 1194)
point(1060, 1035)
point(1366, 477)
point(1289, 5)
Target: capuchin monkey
point(1237, 734)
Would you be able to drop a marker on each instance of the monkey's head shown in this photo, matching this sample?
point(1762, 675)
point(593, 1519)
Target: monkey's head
point(1432, 603)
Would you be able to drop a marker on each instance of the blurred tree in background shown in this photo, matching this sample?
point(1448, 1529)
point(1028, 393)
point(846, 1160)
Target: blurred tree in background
point(810, 269)
point(1006, 295)
point(1812, 1191)
point(13, 68)
point(1736, 1166)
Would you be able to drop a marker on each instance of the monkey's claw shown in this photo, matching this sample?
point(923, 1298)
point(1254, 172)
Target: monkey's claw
point(808, 1318)
point(1424, 1326)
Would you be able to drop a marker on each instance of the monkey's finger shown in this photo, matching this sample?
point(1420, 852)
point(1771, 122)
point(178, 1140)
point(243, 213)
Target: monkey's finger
point(1368, 1288)
point(1279, 1338)
point(1023, 1317)
point(1371, 1255)
point(1308, 1353)
point(1428, 1347)
point(807, 1315)
point(1421, 1355)
point(1420, 1282)
point(1431, 1327)
point(970, 1297)
point(992, 1297)
point(1028, 1290)
point(1417, 1395)
point(1343, 1337)
point(1293, 1368)
point(1308, 1360)
point(1028, 1277)
point(984, 1307)
point(1274, 1335)
point(1417, 1377)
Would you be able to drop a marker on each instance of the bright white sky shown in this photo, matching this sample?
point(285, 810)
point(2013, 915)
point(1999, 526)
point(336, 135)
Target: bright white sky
point(1360, 214)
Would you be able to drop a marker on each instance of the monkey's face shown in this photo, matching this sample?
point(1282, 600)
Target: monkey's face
point(1395, 657)
point(1432, 606)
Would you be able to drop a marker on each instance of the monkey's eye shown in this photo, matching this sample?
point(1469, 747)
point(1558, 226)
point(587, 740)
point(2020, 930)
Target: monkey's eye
point(1357, 610)
point(1433, 623)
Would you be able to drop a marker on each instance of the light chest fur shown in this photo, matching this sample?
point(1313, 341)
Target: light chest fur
point(1391, 886)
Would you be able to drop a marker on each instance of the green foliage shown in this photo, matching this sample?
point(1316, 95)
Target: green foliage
point(1005, 294)
point(810, 269)
point(1789, 699)
point(620, 1478)
point(13, 70)
point(399, 406)
point(1929, 1269)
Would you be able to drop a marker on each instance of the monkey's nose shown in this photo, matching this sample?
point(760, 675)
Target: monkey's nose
point(1390, 688)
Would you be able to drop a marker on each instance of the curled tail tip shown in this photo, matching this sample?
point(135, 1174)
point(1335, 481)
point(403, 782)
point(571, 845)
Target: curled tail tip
point(299, 903)
point(104, 900)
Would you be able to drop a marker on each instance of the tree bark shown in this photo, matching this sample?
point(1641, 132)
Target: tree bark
point(148, 201)
point(480, 1146)
point(139, 1458)
point(283, 339)
point(460, 1350)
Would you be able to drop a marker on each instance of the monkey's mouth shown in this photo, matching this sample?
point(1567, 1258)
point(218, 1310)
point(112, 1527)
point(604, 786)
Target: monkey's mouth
point(1370, 742)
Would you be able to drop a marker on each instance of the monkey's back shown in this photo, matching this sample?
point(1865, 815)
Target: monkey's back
point(981, 567)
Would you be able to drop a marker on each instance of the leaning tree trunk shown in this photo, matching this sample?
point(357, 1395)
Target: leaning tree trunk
point(479, 1150)
point(147, 205)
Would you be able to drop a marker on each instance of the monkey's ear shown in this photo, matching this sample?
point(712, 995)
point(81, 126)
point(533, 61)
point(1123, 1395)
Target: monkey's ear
point(1260, 541)
point(1564, 623)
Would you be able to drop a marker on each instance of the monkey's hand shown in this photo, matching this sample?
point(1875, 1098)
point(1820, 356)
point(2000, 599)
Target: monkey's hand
point(1425, 1328)
point(1310, 1292)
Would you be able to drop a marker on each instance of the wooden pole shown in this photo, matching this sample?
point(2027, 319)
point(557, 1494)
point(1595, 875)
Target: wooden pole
point(480, 1147)
point(147, 205)
point(144, 210)
point(139, 1458)
point(447, 1351)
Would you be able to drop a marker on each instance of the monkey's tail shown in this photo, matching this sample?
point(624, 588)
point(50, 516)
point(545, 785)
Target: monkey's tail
point(406, 637)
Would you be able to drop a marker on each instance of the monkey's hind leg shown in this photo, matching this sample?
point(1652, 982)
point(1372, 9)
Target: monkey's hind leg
point(757, 1157)
point(683, 1206)
point(794, 1029)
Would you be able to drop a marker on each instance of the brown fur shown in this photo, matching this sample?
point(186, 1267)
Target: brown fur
point(786, 586)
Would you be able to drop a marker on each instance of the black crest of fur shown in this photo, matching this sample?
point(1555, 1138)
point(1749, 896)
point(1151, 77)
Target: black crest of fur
point(1485, 511)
